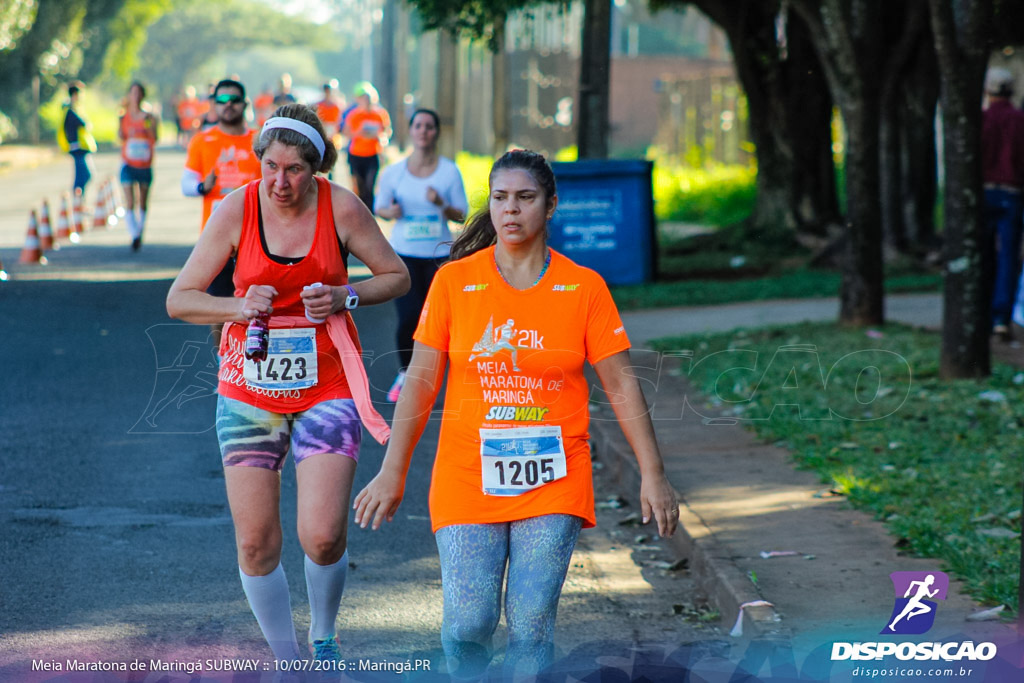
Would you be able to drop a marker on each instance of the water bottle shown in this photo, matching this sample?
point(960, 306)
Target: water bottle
point(315, 321)
point(257, 338)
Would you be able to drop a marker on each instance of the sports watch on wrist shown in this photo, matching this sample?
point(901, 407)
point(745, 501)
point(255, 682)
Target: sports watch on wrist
point(352, 300)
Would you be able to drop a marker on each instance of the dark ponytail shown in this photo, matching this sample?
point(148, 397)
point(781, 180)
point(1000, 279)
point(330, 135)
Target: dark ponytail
point(479, 232)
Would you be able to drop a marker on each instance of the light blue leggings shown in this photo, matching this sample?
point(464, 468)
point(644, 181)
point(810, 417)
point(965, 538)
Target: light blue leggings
point(473, 560)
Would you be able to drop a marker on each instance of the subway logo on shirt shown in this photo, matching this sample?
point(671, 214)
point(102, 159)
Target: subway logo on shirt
point(517, 413)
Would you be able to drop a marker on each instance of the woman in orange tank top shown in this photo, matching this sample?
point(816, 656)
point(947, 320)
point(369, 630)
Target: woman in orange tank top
point(138, 130)
point(291, 231)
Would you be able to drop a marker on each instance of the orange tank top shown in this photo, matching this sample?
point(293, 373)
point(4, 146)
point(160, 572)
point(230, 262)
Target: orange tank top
point(138, 138)
point(324, 263)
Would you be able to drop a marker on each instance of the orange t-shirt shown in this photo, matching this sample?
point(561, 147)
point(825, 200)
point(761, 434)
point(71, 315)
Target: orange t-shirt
point(324, 263)
point(138, 139)
point(264, 106)
point(516, 360)
point(190, 111)
point(365, 127)
point(330, 114)
point(232, 157)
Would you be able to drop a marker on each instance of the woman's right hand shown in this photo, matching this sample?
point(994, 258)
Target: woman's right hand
point(258, 299)
point(392, 212)
point(379, 500)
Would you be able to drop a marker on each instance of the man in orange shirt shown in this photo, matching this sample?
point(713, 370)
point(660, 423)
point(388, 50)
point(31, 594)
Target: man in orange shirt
point(221, 160)
point(368, 128)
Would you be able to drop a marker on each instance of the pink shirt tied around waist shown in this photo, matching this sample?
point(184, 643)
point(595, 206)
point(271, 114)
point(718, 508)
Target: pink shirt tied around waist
point(351, 362)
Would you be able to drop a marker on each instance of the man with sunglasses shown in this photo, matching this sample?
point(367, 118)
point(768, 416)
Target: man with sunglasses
point(221, 160)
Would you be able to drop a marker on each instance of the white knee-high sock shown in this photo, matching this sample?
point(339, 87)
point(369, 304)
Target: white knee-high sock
point(142, 221)
point(271, 604)
point(133, 224)
point(325, 585)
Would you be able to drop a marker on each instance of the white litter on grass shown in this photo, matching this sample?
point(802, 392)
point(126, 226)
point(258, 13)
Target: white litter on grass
point(738, 261)
point(768, 554)
point(958, 265)
point(998, 532)
point(993, 396)
point(737, 629)
point(986, 614)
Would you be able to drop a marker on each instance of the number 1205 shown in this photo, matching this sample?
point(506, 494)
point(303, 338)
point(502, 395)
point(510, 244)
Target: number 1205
point(528, 473)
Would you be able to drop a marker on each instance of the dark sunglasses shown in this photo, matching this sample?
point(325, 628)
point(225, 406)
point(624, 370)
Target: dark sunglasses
point(228, 99)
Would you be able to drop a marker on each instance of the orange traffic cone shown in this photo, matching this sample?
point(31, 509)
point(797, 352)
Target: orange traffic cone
point(78, 225)
point(31, 253)
point(63, 225)
point(99, 215)
point(45, 231)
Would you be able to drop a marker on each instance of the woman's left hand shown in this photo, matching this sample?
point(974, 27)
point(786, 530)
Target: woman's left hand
point(657, 497)
point(319, 302)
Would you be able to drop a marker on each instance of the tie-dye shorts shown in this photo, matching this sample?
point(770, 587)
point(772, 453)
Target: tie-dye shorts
point(253, 437)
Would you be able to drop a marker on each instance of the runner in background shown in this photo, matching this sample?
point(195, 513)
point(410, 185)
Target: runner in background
point(190, 114)
point(512, 482)
point(220, 160)
point(209, 111)
point(138, 131)
point(284, 94)
point(75, 139)
point(329, 111)
point(421, 193)
point(368, 129)
point(263, 106)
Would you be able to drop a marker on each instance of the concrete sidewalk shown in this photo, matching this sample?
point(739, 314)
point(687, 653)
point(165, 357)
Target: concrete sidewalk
point(741, 497)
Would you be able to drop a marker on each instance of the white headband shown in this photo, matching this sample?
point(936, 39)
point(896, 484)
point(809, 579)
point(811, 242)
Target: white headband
point(299, 127)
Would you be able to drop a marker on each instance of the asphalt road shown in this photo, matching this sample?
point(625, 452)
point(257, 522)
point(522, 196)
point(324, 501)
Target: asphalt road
point(117, 543)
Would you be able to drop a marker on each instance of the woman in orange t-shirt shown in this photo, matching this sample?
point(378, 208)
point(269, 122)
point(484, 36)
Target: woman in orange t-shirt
point(307, 395)
point(511, 487)
point(368, 128)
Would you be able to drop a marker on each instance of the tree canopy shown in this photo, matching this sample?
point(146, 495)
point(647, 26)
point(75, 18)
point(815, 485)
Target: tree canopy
point(195, 31)
point(59, 40)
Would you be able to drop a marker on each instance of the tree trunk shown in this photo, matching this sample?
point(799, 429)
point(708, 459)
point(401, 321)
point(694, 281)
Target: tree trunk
point(447, 95)
point(918, 175)
point(861, 288)
point(905, 22)
point(595, 70)
point(808, 129)
point(890, 144)
point(790, 116)
point(962, 34)
point(499, 89)
point(848, 37)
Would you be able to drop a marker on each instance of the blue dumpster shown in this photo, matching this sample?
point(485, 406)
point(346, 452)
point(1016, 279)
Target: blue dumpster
point(605, 218)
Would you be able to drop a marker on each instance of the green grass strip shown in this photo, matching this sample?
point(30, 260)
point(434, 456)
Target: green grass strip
point(798, 284)
point(938, 461)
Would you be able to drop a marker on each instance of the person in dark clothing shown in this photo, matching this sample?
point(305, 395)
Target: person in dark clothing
point(1002, 162)
point(80, 142)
